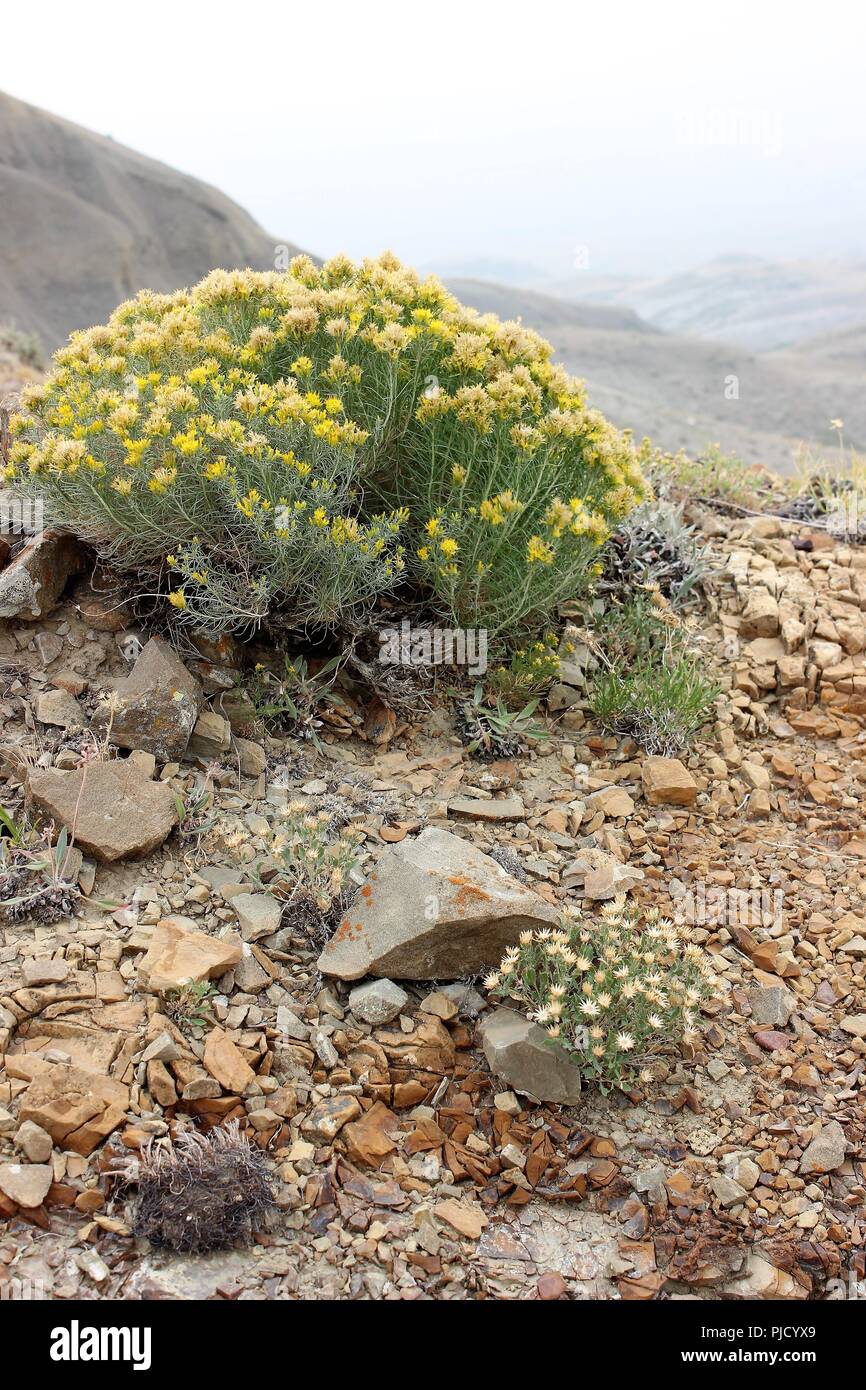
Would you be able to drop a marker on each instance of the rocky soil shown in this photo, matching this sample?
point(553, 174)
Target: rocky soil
point(407, 1167)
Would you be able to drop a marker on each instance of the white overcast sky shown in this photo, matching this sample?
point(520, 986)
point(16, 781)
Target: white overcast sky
point(654, 133)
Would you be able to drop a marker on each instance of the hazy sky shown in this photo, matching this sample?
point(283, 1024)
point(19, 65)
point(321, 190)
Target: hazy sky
point(640, 137)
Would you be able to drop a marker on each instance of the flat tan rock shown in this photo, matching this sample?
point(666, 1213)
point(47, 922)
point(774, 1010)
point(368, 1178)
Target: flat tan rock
point(26, 1183)
point(226, 1063)
point(77, 1108)
point(114, 812)
point(667, 782)
point(179, 954)
point(468, 1221)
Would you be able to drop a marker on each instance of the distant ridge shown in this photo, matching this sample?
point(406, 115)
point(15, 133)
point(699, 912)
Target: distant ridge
point(86, 222)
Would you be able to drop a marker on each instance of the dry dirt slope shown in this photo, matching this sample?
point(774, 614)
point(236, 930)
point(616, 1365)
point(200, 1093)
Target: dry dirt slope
point(87, 222)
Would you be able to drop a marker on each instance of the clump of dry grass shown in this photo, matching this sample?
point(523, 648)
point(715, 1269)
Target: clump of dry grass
point(203, 1192)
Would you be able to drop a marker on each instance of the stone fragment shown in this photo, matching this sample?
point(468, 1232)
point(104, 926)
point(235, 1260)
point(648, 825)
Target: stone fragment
point(258, 914)
point(60, 709)
point(368, 1139)
point(600, 876)
point(326, 1119)
point(178, 953)
point(114, 813)
point(758, 806)
point(666, 782)
point(827, 1150)
point(435, 907)
point(727, 1192)
point(158, 704)
point(440, 1005)
point(771, 1008)
point(763, 1280)
point(26, 1183)
point(44, 972)
point(755, 775)
point(378, 1001)
point(760, 617)
point(226, 1063)
point(473, 808)
point(78, 1108)
point(33, 584)
point(252, 758)
point(551, 1286)
point(613, 801)
point(467, 1219)
point(34, 1143)
point(211, 736)
point(520, 1053)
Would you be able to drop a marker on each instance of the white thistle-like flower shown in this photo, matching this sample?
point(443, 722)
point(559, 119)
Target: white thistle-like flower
point(491, 981)
point(625, 1042)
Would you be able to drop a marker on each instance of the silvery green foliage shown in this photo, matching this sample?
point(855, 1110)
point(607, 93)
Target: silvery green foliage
point(655, 545)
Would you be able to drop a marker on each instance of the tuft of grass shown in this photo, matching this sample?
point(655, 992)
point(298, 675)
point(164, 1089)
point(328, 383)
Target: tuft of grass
point(651, 685)
point(714, 476)
point(661, 706)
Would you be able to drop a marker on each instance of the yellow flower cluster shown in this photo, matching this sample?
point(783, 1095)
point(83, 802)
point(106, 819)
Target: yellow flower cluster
point(261, 399)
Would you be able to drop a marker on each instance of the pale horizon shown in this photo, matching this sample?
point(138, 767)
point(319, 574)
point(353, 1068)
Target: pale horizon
point(614, 140)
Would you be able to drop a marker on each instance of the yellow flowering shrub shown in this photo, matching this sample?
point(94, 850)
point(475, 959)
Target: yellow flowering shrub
point(260, 442)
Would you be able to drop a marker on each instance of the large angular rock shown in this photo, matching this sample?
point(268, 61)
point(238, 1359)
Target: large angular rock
point(26, 1183)
point(826, 1151)
point(258, 915)
point(32, 585)
point(179, 954)
point(113, 812)
point(434, 908)
point(521, 1054)
point(378, 1001)
point(226, 1063)
point(158, 704)
point(666, 782)
point(772, 1007)
point(763, 1280)
point(760, 617)
point(77, 1108)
